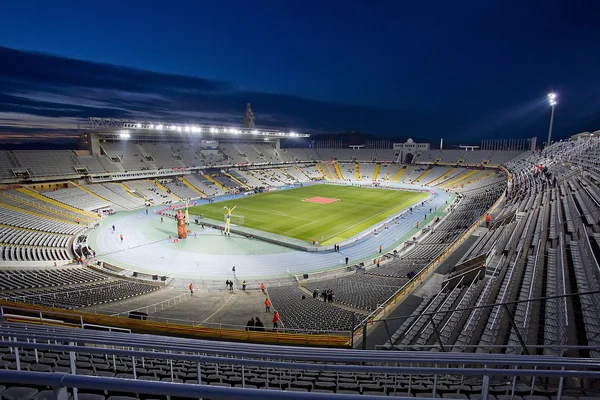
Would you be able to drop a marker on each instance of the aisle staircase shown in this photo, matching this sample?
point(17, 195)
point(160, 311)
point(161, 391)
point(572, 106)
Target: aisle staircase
point(236, 180)
point(186, 183)
point(322, 171)
point(90, 192)
point(338, 171)
point(303, 173)
point(376, 172)
point(357, 170)
point(480, 177)
point(428, 170)
point(398, 175)
point(36, 195)
point(216, 182)
point(164, 189)
point(128, 190)
point(459, 179)
point(439, 178)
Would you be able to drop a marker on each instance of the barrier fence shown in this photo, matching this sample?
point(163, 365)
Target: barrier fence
point(484, 374)
point(43, 315)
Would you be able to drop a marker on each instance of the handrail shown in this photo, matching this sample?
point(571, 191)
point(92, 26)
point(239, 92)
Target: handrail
point(60, 381)
point(254, 355)
point(168, 301)
point(278, 336)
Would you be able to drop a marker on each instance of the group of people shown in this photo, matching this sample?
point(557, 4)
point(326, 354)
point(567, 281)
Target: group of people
point(255, 324)
point(229, 284)
point(327, 295)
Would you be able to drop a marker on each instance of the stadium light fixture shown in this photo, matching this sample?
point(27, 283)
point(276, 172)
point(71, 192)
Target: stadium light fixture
point(117, 126)
point(553, 102)
point(124, 135)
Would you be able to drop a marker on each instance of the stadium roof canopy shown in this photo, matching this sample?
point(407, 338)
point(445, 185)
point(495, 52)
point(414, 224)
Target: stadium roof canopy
point(124, 128)
point(583, 135)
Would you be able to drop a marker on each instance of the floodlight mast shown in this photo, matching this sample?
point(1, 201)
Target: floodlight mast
point(553, 102)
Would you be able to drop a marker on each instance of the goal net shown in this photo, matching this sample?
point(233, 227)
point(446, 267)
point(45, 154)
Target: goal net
point(235, 219)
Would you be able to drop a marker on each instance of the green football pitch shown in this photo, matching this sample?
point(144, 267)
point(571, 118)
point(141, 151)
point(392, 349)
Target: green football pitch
point(301, 213)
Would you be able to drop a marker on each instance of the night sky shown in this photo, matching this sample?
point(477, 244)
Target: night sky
point(459, 70)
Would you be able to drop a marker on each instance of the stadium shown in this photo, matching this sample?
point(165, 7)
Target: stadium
point(376, 270)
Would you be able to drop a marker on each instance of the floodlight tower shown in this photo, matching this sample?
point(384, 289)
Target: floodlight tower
point(553, 102)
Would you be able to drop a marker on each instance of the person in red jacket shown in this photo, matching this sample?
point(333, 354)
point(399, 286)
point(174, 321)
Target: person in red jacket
point(267, 305)
point(262, 287)
point(276, 320)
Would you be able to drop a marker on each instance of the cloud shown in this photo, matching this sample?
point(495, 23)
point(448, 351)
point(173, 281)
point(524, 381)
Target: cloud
point(61, 92)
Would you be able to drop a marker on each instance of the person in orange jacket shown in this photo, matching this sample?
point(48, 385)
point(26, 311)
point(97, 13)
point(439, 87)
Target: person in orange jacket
point(267, 305)
point(191, 288)
point(276, 320)
point(262, 287)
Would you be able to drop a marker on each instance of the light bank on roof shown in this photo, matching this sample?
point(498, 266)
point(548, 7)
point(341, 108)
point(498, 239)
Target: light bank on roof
point(122, 129)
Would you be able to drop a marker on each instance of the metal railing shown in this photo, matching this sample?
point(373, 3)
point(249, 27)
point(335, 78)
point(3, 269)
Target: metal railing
point(161, 305)
point(276, 364)
point(507, 308)
point(188, 328)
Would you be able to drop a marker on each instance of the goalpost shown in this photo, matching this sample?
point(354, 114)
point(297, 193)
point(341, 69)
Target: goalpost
point(235, 219)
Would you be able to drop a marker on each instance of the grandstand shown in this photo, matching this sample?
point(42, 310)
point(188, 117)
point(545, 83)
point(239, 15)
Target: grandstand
point(435, 278)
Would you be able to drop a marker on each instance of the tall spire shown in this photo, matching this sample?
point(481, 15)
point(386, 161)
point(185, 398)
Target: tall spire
point(249, 117)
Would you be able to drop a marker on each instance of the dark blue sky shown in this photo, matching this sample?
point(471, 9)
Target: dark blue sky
point(461, 70)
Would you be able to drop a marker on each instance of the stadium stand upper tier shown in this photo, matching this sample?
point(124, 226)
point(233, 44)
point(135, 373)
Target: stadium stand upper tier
point(127, 156)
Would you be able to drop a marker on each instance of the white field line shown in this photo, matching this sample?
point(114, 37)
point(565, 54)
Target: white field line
point(274, 212)
point(301, 226)
point(365, 220)
point(219, 309)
